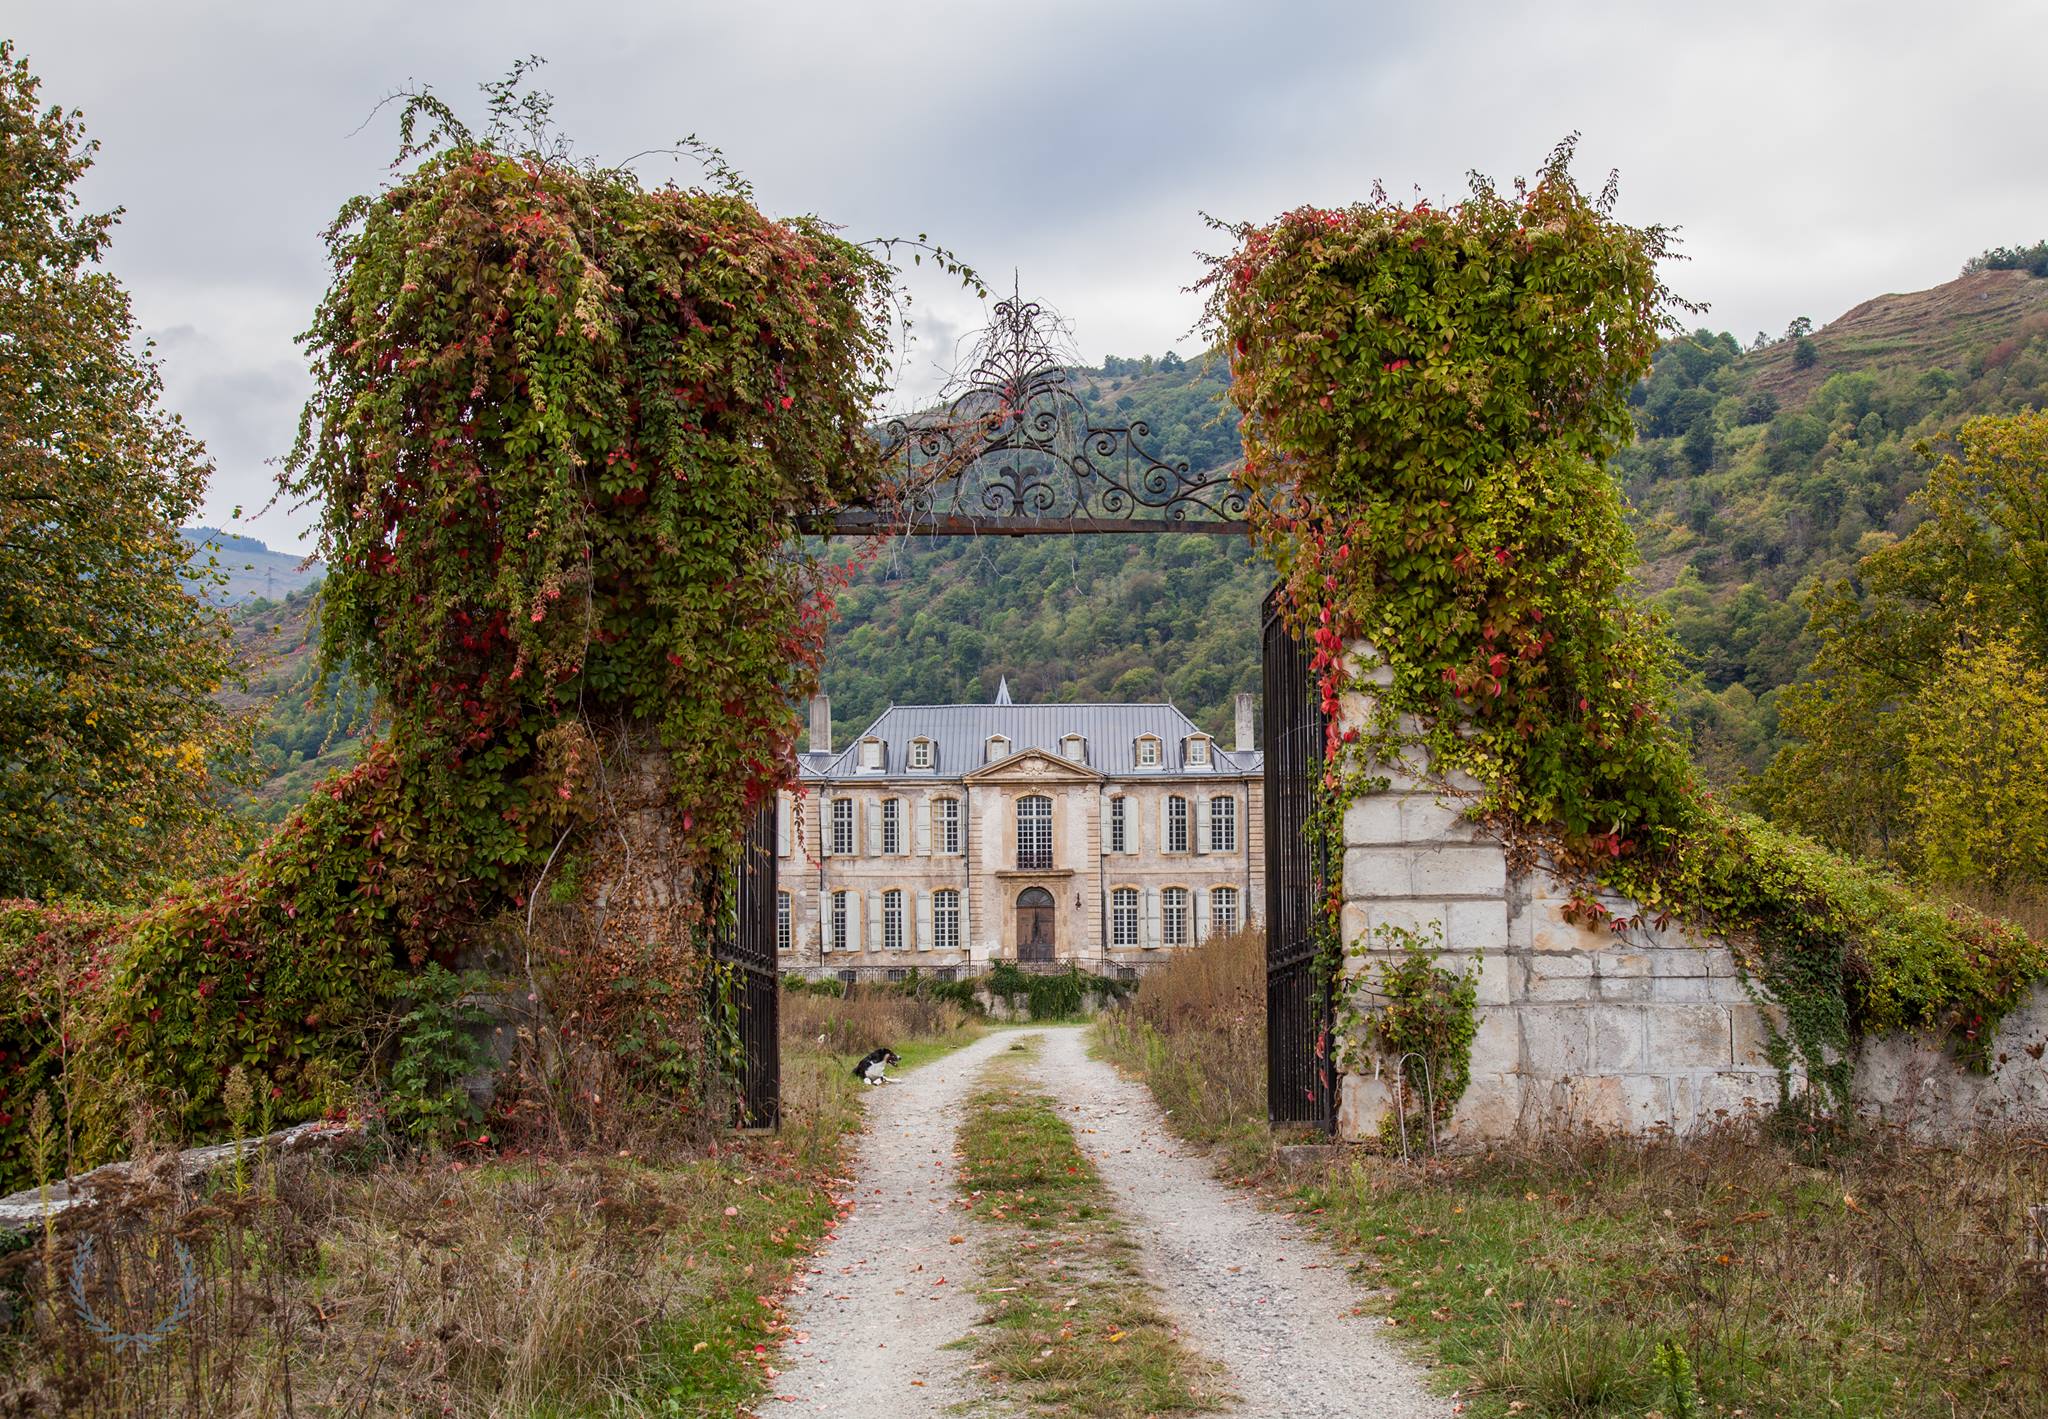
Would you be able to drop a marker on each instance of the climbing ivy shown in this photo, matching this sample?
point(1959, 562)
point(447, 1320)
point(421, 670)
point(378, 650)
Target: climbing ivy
point(1429, 398)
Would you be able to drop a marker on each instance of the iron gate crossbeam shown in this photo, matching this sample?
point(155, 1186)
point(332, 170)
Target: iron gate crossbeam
point(868, 523)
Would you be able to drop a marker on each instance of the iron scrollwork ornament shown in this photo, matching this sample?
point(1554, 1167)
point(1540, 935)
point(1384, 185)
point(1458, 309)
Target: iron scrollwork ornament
point(1016, 450)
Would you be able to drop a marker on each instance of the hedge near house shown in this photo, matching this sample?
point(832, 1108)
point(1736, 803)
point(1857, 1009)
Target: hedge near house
point(1429, 398)
point(561, 425)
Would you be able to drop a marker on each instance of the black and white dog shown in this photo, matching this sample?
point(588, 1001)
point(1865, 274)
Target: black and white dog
point(870, 1069)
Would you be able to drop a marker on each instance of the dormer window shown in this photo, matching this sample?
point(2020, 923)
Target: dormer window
point(920, 753)
point(871, 754)
point(1198, 751)
point(1074, 747)
point(998, 748)
point(1148, 752)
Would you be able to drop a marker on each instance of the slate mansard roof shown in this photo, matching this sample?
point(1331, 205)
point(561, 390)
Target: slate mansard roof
point(959, 732)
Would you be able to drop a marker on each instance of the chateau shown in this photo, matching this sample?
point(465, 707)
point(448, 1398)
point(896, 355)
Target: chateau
point(949, 836)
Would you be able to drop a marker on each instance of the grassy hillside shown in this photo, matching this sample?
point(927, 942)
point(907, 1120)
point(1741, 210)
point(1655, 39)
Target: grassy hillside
point(253, 571)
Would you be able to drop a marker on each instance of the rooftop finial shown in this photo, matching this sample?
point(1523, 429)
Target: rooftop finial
point(1003, 691)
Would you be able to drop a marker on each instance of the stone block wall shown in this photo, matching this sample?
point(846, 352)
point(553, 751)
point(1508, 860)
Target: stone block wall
point(1578, 1027)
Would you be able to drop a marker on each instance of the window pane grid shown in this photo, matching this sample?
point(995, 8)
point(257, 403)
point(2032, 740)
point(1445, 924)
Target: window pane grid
point(946, 920)
point(839, 906)
point(1173, 924)
point(842, 827)
point(1123, 917)
point(1223, 908)
point(1223, 825)
point(1034, 833)
point(782, 921)
point(1116, 824)
point(892, 825)
point(892, 920)
point(1176, 824)
point(949, 824)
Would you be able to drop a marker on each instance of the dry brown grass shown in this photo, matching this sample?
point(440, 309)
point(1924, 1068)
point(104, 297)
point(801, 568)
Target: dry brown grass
point(1196, 1030)
point(871, 1017)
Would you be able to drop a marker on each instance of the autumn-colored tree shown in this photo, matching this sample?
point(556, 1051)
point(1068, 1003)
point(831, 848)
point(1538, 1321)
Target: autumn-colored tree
point(108, 664)
point(1917, 706)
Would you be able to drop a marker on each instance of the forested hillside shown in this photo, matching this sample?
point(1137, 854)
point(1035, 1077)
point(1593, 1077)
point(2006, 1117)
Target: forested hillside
point(1760, 474)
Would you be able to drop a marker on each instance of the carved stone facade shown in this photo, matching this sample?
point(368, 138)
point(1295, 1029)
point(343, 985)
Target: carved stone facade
point(948, 836)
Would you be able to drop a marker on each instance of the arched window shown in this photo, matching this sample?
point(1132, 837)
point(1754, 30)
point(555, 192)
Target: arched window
point(1173, 916)
point(1123, 917)
point(892, 826)
point(1223, 824)
point(1223, 916)
point(892, 919)
point(946, 919)
point(1176, 824)
point(1034, 833)
point(782, 921)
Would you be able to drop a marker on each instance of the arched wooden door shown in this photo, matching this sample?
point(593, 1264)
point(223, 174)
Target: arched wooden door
point(1034, 925)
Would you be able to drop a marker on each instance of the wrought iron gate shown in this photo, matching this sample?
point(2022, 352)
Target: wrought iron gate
point(749, 949)
point(1300, 1081)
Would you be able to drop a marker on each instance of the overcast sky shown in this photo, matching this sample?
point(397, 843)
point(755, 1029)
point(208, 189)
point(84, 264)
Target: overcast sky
point(1813, 154)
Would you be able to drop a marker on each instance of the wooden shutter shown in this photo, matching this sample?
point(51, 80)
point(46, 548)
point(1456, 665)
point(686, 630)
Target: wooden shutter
point(924, 921)
point(1150, 937)
point(853, 941)
point(875, 939)
point(782, 824)
point(924, 827)
point(1107, 804)
point(1200, 926)
point(966, 941)
point(873, 813)
point(1166, 823)
point(1201, 826)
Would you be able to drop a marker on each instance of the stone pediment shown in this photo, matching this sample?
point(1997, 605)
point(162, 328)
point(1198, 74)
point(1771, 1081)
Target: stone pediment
point(1028, 766)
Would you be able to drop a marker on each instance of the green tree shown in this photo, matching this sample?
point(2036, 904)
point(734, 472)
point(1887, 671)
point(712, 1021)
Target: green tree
point(1907, 644)
point(109, 734)
point(1976, 744)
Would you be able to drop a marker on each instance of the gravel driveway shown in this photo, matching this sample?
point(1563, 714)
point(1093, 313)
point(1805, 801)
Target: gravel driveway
point(870, 1314)
point(1249, 1288)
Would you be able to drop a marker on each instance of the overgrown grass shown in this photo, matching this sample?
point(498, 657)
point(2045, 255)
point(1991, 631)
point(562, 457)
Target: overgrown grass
point(1071, 1325)
point(537, 1284)
point(1196, 1032)
point(1800, 1274)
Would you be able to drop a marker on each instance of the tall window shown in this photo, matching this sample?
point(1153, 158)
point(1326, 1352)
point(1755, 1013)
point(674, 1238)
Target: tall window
point(842, 827)
point(946, 825)
point(1123, 917)
point(1176, 824)
point(842, 915)
point(782, 921)
point(1173, 916)
point(1119, 830)
point(1034, 833)
point(1223, 909)
point(892, 919)
point(1223, 824)
point(946, 920)
point(892, 825)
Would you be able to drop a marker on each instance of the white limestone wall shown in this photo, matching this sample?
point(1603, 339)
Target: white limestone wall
point(1633, 1031)
point(1630, 1031)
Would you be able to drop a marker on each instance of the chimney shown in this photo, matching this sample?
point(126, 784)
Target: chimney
point(1246, 714)
point(821, 723)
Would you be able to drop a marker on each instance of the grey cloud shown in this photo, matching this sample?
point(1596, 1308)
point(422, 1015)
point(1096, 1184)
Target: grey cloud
point(1814, 154)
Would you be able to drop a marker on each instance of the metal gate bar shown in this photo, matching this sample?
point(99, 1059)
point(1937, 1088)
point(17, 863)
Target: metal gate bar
point(750, 951)
point(1300, 1083)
